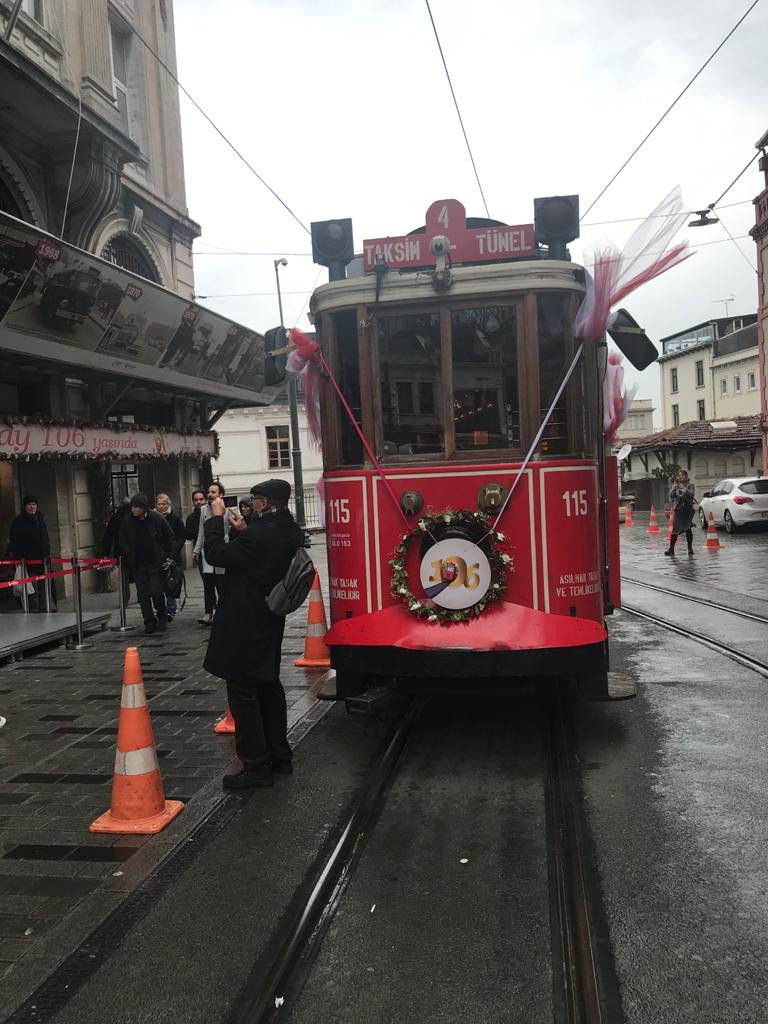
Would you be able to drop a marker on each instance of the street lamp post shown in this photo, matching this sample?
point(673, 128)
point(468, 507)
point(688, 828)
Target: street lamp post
point(293, 406)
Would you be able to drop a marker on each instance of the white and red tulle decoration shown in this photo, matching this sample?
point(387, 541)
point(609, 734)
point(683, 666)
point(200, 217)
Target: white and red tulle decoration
point(303, 360)
point(613, 274)
point(616, 399)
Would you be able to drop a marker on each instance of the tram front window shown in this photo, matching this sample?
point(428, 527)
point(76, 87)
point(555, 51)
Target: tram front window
point(409, 355)
point(486, 400)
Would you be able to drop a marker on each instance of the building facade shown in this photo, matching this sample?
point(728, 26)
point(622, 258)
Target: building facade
point(255, 445)
point(111, 377)
point(639, 421)
point(760, 234)
point(710, 371)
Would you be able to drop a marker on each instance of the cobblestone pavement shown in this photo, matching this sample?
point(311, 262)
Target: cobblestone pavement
point(57, 880)
point(740, 566)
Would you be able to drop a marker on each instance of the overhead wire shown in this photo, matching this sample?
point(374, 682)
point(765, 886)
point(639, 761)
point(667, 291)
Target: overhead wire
point(671, 107)
point(456, 105)
point(218, 130)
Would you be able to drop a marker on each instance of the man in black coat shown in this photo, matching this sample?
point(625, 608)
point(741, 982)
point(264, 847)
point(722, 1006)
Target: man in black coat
point(110, 544)
point(146, 541)
point(246, 638)
point(29, 541)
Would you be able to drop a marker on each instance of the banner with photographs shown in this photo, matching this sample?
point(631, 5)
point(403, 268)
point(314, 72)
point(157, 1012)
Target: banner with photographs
point(58, 302)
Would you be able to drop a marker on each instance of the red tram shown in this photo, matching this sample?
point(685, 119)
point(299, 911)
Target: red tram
point(464, 540)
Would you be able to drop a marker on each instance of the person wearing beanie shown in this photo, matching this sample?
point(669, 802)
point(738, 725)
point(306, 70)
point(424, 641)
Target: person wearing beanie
point(146, 541)
point(110, 547)
point(246, 638)
point(29, 541)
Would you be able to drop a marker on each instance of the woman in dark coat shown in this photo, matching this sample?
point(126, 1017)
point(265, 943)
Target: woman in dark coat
point(246, 639)
point(682, 497)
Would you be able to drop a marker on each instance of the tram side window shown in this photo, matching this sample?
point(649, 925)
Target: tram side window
point(486, 394)
point(553, 359)
point(348, 361)
point(409, 354)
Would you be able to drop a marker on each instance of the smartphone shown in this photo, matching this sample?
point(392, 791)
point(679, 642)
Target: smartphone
point(230, 501)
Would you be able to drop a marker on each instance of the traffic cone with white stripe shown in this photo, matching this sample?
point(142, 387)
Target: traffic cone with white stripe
point(670, 517)
point(653, 526)
point(628, 514)
point(225, 724)
point(138, 799)
point(713, 541)
point(316, 654)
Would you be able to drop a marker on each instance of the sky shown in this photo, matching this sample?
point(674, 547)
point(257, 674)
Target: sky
point(344, 109)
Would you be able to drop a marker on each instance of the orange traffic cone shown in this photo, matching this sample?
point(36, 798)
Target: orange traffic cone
point(316, 654)
point(671, 517)
point(653, 526)
point(628, 514)
point(713, 541)
point(225, 724)
point(138, 799)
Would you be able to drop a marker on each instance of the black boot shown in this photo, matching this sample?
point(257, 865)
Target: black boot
point(256, 774)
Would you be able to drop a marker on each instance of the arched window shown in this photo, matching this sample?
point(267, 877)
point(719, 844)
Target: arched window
point(124, 252)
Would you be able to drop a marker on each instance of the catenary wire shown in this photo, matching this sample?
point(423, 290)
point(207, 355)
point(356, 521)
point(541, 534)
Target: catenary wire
point(742, 171)
point(218, 130)
point(672, 105)
point(456, 104)
point(743, 255)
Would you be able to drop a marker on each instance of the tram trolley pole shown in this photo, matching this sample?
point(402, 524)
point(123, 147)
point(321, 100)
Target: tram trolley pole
point(81, 644)
point(47, 584)
point(24, 591)
point(123, 627)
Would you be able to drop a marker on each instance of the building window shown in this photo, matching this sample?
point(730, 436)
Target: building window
point(673, 380)
point(124, 252)
point(34, 8)
point(278, 447)
point(700, 407)
point(723, 386)
point(426, 398)
point(675, 415)
point(736, 383)
point(405, 397)
point(699, 373)
point(121, 42)
point(751, 384)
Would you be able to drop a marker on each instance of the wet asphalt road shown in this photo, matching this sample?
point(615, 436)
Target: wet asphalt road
point(422, 936)
point(675, 788)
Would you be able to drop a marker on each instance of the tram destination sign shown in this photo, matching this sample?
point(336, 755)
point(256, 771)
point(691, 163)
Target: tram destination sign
point(448, 218)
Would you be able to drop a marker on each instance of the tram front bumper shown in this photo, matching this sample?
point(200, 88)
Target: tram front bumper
point(506, 640)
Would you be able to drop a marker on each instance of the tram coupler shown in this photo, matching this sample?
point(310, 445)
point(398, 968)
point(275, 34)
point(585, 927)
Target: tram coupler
point(378, 705)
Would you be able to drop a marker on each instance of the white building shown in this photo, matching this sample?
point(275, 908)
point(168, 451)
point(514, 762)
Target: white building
point(710, 371)
point(255, 445)
point(639, 421)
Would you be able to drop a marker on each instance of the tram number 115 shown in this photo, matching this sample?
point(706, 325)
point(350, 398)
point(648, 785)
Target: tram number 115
point(339, 509)
point(575, 503)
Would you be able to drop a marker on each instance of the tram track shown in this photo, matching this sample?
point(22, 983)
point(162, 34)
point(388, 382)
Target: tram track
point(585, 988)
point(755, 664)
point(715, 605)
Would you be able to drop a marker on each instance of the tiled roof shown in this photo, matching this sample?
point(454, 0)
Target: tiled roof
point(699, 434)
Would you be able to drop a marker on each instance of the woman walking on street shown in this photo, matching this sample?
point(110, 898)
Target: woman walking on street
point(682, 497)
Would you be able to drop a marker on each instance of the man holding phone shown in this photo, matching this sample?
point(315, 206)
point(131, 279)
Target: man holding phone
point(212, 575)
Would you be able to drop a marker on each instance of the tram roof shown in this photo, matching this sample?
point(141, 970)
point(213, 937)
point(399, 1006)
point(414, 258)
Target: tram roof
point(466, 282)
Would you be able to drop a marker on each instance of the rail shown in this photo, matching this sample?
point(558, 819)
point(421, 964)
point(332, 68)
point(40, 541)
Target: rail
point(26, 581)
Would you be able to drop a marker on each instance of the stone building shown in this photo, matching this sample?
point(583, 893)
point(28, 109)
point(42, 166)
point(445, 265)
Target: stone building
point(111, 377)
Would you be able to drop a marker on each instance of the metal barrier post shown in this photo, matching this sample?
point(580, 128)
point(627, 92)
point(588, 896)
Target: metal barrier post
point(122, 628)
point(78, 594)
point(24, 594)
point(48, 585)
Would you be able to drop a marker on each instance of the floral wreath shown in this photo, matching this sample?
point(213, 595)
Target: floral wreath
point(424, 608)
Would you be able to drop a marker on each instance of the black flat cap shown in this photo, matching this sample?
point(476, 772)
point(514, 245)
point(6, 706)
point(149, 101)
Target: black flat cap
point(278, 490)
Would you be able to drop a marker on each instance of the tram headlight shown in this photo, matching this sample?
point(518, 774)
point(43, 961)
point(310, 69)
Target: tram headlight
point(491, 497)
point(411, 503)
point(556, 220)
point(333, 245)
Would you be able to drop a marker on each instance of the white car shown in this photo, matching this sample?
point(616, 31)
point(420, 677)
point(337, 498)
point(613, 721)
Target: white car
point(736, 502)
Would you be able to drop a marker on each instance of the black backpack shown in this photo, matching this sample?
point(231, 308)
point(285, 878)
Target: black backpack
point(291, 592)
